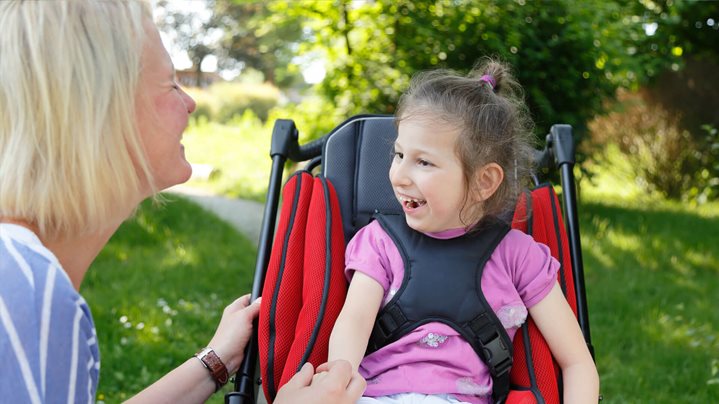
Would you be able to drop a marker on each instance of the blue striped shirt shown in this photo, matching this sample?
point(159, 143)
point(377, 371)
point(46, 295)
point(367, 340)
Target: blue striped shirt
point(48, 344)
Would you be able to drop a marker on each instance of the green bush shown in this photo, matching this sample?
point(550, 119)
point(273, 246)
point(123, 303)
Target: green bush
point(204, 101)
point(234, 98)
point(665, 157)
point(223, 101)
point(314, 116)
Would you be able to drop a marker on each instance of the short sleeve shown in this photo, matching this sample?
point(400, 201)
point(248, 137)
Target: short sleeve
point(47, 336)
point(367, 253)
point(535, 270)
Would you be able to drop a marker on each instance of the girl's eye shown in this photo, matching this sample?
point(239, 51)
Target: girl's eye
point(424, 163)
point(398, 155)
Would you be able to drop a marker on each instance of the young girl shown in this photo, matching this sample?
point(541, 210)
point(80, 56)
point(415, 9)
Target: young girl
point(461, 157)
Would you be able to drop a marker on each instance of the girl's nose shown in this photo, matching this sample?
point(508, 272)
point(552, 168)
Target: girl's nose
point(398, 174)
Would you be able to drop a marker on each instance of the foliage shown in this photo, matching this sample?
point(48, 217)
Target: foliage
point(185, 28)
point(252, 39)
point(239, 34)
point(563, 52)
point(663, 156)
point(239, 153)
point(157, 291)
point(222, 101)
point(569, 56)
point(680, 29)
point(313, 117)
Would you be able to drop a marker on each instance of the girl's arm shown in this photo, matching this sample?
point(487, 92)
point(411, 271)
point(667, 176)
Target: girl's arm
point(560, 329)
point(354, 324)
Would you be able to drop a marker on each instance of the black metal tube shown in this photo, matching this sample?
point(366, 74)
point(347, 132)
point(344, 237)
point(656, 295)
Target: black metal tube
point(571, 220)
point(244, 380)
point(267, 231)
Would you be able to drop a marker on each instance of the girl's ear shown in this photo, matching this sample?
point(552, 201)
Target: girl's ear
point(487, 180)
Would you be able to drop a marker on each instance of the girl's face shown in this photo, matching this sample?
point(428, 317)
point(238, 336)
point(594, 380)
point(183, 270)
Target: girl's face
point(163, 110)
point(426, 176)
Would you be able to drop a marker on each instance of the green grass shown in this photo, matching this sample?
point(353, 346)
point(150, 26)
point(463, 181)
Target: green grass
point(240, 155)
point(652, 275)
point(157, 291)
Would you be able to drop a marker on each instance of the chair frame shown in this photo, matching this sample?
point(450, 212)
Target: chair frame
point(558, 154)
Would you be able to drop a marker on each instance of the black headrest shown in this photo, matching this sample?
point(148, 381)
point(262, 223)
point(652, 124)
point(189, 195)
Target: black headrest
point(356, 158)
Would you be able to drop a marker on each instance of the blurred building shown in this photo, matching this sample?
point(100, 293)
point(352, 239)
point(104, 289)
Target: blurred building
point(188, 78)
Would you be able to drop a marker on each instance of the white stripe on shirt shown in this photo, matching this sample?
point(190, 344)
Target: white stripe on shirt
point(21, 263)
point(73, 364)
point(45, 321)
point(90, 365)
point(19, 353)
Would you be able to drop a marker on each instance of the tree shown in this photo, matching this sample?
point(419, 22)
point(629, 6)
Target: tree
point(563, 53)
point(258, 38)
point(197, 32)
point(240, 34)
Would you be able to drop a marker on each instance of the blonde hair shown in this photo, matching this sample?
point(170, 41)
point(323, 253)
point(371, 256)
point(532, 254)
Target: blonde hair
point(70, 151)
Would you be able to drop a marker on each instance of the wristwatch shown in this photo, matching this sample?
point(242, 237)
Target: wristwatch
point(217, 369)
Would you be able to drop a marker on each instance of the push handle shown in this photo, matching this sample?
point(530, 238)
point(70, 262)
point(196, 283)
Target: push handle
point(285, 142)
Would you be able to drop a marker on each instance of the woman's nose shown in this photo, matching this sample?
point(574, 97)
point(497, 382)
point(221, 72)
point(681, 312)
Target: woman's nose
point(189, 102)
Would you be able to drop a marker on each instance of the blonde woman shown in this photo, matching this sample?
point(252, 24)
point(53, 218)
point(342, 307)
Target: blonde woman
point(91, 120)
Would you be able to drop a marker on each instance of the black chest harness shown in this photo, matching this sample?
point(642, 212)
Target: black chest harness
point(442, 284)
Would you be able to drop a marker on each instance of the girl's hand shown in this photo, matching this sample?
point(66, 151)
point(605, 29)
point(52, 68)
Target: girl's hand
point(234, 331)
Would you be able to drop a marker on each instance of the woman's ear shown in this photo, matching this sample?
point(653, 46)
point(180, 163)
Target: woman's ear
point(487, 180)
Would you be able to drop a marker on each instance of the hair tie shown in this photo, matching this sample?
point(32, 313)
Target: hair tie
point(489, 80)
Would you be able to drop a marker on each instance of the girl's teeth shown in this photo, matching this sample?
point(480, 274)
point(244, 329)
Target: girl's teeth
point(413, 203)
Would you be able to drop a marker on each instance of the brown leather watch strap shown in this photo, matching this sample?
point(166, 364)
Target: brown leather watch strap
point(217, 369)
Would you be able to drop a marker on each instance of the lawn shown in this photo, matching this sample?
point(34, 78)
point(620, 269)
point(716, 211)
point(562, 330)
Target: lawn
point(652, 275)
point(157, 291)
point(239, 155)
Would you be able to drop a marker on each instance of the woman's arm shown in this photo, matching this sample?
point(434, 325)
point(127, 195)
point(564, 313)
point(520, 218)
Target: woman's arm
point(354, 324)
point(560, 329)
point(191, 382)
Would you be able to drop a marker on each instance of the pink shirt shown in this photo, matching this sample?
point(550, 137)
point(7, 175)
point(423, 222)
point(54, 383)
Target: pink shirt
point(434, 358)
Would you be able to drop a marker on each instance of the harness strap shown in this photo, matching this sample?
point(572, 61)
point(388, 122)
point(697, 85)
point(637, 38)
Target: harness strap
point(457, 301)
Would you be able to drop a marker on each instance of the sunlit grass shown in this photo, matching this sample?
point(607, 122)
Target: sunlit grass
point(158, 289)
point(652, 275)
point(239, 154)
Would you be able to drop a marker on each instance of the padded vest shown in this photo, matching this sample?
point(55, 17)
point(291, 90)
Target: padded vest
point(441, 283)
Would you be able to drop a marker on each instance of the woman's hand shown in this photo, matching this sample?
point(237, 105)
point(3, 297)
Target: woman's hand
point(336, 383)
point(234, 331)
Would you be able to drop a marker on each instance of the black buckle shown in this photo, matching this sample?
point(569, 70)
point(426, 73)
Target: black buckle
point(391, 320)
point(496, 355)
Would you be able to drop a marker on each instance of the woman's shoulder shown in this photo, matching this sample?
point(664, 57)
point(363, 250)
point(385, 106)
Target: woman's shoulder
point(29, 270)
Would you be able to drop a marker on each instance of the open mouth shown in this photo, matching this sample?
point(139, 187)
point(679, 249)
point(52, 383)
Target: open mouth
point(411, 203)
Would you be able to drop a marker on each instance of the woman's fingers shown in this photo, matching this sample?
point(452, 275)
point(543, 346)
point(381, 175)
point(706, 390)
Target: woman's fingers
point(239, 303)
point(339, 372)
point(303, 378)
